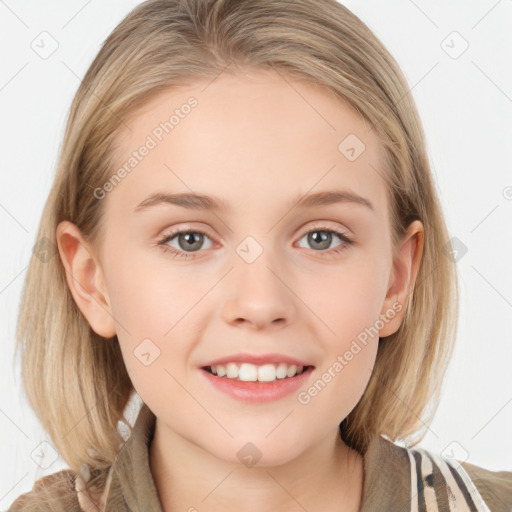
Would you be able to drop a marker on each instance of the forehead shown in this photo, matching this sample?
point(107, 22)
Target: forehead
point(252, 140)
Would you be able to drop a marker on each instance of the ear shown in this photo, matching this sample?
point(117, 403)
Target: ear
point(85, 279)
point(403, 276)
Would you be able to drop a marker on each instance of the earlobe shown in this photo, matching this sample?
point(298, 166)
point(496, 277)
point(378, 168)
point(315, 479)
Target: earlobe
point(404, 272)
point(85, 279)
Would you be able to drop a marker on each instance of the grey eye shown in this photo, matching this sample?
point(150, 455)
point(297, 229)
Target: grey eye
point(189, 241)
point(321, 239)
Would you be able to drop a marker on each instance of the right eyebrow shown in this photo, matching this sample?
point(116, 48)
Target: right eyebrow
point(185, 200)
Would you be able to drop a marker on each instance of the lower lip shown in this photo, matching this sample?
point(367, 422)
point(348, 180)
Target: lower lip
point(258, 391)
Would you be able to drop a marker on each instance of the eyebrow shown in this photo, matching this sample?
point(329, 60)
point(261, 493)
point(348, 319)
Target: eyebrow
point(193, 201)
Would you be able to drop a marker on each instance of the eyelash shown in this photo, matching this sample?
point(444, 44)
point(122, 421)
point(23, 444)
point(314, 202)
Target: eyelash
point(182, 254)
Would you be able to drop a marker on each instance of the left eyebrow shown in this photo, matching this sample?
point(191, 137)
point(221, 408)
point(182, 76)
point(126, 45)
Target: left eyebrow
point(331, 197)
point(205, 202)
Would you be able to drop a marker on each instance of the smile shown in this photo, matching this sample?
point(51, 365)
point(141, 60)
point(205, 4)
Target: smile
point(254, 390)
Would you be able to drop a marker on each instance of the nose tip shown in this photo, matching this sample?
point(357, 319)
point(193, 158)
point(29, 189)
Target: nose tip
point(257, 297)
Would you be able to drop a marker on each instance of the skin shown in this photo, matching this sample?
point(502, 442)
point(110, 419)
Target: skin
point(256, 142)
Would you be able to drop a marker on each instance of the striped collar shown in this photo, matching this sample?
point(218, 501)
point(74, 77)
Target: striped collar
point(402, 479)
point(441, 484)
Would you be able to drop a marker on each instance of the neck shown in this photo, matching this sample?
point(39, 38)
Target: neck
point(327, 476)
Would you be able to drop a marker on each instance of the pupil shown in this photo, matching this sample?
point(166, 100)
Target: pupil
point(321, 237)
point(191, 241)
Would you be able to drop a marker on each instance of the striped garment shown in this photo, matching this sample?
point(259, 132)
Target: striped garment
point(440, 484)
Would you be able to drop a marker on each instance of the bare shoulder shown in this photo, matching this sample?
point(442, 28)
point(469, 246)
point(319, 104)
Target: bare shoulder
point(495, 487)
point(55, 493)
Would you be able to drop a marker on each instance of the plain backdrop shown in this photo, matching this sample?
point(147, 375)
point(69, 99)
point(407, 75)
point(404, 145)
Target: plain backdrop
point(456, 57)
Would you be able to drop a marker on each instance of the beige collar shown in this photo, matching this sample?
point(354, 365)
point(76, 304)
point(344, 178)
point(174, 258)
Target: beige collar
point(132, 487)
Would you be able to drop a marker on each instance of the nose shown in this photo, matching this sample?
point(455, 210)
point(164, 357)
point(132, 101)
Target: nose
point(258, 295)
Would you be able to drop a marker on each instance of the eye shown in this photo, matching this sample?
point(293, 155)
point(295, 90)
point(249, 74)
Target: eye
point(188, 241)
point(321, 239)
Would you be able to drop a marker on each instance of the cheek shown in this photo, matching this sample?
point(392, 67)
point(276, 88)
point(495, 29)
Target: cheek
point(348, 303)
point(347, 297)
point(340, 384)
point(350, 346)
point(150, 295)
point(152, 304)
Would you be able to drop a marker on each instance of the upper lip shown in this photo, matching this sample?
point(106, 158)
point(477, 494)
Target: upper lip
point(257, 359)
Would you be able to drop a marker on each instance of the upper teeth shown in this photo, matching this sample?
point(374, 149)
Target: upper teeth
point(250, 372)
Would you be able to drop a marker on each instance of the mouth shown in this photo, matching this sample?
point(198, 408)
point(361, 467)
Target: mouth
point(248, 383)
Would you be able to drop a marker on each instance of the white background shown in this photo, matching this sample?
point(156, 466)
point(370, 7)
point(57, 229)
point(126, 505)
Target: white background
point(466, 106)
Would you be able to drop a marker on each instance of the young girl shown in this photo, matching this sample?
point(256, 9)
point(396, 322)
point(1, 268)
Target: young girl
point(246, 236)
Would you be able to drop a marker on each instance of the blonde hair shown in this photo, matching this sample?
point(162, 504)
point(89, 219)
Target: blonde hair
point(74, 379)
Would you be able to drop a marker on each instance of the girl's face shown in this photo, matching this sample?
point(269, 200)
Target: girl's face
point(253, 272)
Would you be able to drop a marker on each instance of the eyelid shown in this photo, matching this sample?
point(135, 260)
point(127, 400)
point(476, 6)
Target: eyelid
point(324, 225)
point(185, 228)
